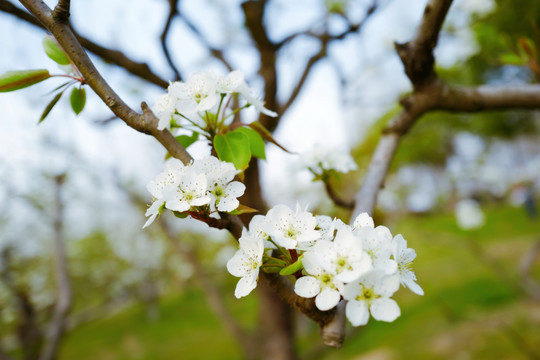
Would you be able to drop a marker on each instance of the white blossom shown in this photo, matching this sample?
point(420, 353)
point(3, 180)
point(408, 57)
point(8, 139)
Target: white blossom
point(288, 228)
point(246, 262)
point(343, 257)
point(377, 243)
point(371, 294)
point(320, 283)
point(230, 83)
point(165, 110)
point(205, 181)
point(404, 257)
point(188, 191)
point(252, 99)
point(221, 189)
point(197, 94)
point(156, 187)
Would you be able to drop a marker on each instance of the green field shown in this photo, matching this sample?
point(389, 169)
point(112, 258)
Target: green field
point(474, 307)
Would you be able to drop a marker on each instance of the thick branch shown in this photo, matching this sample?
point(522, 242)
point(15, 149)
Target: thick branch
point(254, 15)
point(417, 55)
point(284, 289)
point(112, 56)
point(61, 11)
point(431, 94)
point(57, 325)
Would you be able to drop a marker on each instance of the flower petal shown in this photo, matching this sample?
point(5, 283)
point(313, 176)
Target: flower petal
point(237, 264)
point(357, 312)
point(245, 286)
point(414, 287)
point(385, 309)
point(327, 299)
point(307, 286)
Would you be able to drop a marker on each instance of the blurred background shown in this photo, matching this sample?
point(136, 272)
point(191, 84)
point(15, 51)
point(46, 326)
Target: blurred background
point(463, 188)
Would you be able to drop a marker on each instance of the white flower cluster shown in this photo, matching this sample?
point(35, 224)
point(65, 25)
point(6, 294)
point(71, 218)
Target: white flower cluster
point(206, 182)
point(362, 264)
point(322, 159)
point(202, 92)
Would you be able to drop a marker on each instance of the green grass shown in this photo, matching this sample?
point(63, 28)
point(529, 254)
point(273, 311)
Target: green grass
point(472, 306)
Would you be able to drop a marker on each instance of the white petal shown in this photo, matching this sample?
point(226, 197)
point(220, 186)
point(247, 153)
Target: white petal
point(311, 263)
point(245, 286)
point(236, 189)
point(227, 204)
point(285, 242)
point(414, 287)
point(352, 290)
point(357, 312)
point(237, 264)
point(363, 220)
point(177, 205)
point(327, 299)
point(307, 286)
point(384, 309)
point(149, 221)
point(387, 285)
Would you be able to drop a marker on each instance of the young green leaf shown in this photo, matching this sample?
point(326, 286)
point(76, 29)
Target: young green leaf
point(78, 100)
point(256, 142)
point(15, 80)
point(233, 147)
point(243, 209)
point(50, 106)
point(258, 127)
point(186, 140)
point(53, 51)
point(294, 267)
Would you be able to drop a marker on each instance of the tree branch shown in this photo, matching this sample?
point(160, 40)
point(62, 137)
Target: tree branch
point(172, 13)
point(62, 306)
point(335, 197)
point(61, 11)
point(432, 94)
point(140, 70)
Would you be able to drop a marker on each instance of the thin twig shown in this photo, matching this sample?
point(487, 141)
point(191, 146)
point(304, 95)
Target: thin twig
point(172, 13)
point(335, 198)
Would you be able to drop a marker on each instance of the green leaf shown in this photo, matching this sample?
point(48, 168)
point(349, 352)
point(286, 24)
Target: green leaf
point(243, 209)
point(53, 50)
point(50, 106)
point(294, 267)
point(78, 100)
point(256, 142)
point(512, 59)
point(15, 80)
point(258, 127)
point(186, 140)
point(233, 147)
